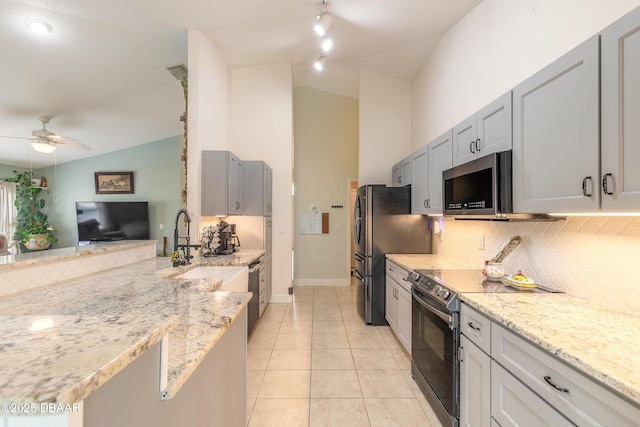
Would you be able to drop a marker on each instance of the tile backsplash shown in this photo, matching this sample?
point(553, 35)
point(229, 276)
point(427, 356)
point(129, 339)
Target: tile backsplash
point(596, 258)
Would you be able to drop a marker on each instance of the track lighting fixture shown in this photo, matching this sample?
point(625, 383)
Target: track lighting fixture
point(326, 44)
point(324, 21)
point(319, 64)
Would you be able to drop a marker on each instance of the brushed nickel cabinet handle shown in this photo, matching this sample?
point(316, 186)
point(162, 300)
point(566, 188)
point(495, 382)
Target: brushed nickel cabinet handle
point(471, 145)
point(472, 327)
point(478, 145)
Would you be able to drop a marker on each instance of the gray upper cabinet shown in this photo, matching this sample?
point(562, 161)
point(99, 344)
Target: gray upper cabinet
point(440, 159)
point(257, 188)
point(401, 173)
point(420, 182)
point(620, 176)
point(555, 135)
point(488, 131)
point(221, 184)
point(426, 184)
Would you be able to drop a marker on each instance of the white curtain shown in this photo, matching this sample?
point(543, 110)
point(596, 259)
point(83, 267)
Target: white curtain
point(7, 209)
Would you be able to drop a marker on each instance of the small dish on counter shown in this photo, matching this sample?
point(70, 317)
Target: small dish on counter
point(519, 281)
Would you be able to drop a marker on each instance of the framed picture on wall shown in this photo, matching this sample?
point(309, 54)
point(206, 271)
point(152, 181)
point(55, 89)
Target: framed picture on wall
point(114, 182)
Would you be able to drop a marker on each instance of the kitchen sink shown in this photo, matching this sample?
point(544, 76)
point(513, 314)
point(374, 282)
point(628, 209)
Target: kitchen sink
point(219, 278)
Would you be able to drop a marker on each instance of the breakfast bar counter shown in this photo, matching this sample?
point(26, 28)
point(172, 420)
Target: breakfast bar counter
point(62, 342)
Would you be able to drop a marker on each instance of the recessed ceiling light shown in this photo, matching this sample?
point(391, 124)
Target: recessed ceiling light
point(38, 25)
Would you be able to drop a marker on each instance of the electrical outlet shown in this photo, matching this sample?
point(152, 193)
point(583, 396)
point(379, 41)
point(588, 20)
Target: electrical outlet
point(481, 242)
point(161, 226)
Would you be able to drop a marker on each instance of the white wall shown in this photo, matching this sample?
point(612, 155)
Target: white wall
point(261, 128)
point(496, 46)
point(326, 159)
point(385, 126)
point(208, 126)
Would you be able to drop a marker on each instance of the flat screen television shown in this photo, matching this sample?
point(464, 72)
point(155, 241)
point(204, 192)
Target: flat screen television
point(110, 221)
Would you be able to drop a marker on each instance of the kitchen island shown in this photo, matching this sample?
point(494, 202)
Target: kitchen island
point(126, 346)
point(595, 340)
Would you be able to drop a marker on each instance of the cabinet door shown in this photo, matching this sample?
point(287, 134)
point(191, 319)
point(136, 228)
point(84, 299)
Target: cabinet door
point(464, 141)
point(391, 309)
point(235, 185)
point(214, 183)
point(513, 404)
point(440, 159)
point(475, 386)
point(555, 135)
point(494, 126)
point(268, 190)
point(407, 170)
point(396, 175)
point(620, 114)
point(403, 325)
point(420, 181)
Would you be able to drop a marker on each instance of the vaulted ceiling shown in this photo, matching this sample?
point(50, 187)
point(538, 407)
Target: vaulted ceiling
point(101, 76)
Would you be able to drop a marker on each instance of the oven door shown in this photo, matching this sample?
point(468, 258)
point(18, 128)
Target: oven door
point(434, 351)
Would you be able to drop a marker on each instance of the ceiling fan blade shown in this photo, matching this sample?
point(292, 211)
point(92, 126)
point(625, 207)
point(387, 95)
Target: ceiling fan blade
point(27, 138)
point(64, 141)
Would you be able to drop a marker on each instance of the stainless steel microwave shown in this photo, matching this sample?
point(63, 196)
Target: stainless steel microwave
point(479, 189)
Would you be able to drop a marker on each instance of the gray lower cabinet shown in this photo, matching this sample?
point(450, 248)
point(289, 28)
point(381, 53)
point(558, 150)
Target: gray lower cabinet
point(475, 380)
point(528, 386)
point(488, 131)
point(221, 184)
point(556, 135)
point(620, 53)
point(257, 190)
point(398, 303)
point(513, 404)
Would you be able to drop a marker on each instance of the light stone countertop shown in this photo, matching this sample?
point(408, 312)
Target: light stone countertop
point(148, 305)
point(596, 340)
point(55, 255)
point(430, 261)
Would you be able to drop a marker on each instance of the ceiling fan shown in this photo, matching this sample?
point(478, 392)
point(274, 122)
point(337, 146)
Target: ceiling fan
point(45, 141)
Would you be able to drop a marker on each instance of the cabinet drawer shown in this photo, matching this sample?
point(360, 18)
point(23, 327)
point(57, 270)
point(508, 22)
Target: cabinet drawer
point(398, 273)
point(578, 397)
point(513, 404)
point(476, 327)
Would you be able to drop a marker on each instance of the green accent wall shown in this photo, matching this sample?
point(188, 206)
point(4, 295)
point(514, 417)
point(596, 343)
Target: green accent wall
point(156, 172)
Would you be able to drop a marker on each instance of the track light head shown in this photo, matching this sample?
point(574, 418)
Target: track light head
point(322, 24)
point(319, 64)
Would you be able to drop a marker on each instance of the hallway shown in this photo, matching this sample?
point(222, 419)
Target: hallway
point(315, 363)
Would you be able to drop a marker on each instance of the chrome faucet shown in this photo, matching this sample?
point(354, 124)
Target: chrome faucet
point(188, 246)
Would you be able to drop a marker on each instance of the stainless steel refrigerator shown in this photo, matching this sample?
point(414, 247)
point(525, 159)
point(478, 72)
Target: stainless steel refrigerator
point(383, 224)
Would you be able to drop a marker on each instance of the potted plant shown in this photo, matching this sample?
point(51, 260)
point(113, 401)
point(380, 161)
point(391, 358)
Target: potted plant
point(32, 228)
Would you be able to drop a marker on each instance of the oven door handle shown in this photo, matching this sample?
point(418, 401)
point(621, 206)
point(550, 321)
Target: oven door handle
point(441, 314)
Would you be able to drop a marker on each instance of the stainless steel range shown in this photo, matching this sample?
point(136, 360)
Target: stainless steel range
point(435, 334)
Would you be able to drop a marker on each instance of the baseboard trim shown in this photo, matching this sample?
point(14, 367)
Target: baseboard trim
point(281, 299)
point(321, 282)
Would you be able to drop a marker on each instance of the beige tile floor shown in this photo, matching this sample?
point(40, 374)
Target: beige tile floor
point(315, 363)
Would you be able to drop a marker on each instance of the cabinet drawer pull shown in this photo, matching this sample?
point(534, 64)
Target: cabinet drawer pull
point(471, 145)
point(472, 327)
point(584, 186)
point(478, 145)
point(547, 378)
point(605, 182)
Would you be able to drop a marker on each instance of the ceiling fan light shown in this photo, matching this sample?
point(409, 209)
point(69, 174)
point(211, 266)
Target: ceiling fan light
point(323, 24)
point(43, 147)
point(319, 64)
point(327, 44)
point(38, 25)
